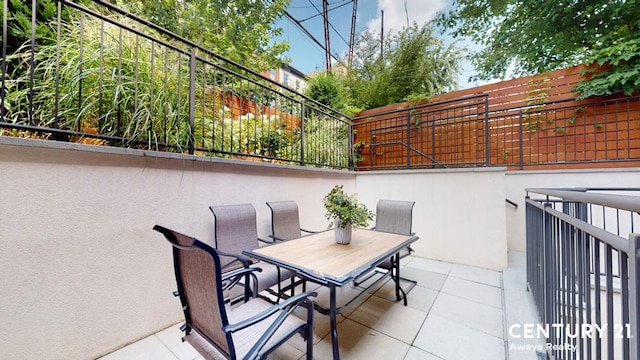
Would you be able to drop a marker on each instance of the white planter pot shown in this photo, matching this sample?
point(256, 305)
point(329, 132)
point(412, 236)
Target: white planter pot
point(343, 236)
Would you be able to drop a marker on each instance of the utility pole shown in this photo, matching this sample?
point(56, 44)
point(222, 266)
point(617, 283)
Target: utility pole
point(353, 32)
point(325, 10)
point(381, 34)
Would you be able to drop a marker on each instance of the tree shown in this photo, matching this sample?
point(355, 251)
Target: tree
point(240, 30)
point(331, 90)
point(530, 37)
point(413, 64)
point(19, 18)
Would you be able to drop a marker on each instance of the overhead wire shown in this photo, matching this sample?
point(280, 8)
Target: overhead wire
point(333, 8)
point(306, 32)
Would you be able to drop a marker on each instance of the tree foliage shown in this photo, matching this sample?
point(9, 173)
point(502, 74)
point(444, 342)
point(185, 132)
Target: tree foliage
point(19, 20)
point(413, 64)
point(530, 37)
point(331, 90)
point(240, 30)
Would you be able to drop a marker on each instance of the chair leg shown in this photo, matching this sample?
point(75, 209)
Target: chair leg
point(309, 334)
point(395, 275)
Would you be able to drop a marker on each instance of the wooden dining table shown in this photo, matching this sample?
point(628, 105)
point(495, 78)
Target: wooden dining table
point(318, 258)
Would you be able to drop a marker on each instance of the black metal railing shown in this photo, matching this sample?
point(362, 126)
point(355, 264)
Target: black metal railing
point(469, 132)
point(582, 269)
point(100, 75)
point(97, 74)
point(434, 135)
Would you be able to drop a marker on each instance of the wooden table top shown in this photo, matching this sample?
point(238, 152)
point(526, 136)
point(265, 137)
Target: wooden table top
point(319, 256)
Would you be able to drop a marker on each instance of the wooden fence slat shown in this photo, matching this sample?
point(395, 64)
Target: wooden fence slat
point(588, 131)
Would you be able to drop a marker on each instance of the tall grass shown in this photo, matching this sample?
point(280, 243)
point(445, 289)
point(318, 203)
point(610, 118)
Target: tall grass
point(110, 83)
point(103, 79)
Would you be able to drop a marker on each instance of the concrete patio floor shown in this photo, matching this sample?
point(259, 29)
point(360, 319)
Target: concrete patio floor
point(456, 312)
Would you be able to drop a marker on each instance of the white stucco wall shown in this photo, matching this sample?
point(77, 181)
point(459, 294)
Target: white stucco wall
point(82, 271)
point(458, 214)
point(84, 274)
point(518, 181)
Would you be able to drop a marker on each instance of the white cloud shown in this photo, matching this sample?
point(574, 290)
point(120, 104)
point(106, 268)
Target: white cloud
point(395, 14)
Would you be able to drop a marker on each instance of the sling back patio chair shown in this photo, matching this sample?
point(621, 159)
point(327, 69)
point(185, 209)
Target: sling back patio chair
point(250, 330)
point(394, 216)
point(235, 231)
point(285, 221)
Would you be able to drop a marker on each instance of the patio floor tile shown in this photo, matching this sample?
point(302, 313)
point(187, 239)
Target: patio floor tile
point(483, 276)
point(469, 313)
point(451, 340)
point(358, 342)
point(436, 266)
point(481, 293)
point(455, 312)
point(399, 321)
point(419, 354)
point(149, 348)
point(420, 298)
point(425, 278)
point(172, 339)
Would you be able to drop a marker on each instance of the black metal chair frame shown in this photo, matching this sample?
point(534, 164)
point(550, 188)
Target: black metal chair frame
point(229, 279)
point(390, 266)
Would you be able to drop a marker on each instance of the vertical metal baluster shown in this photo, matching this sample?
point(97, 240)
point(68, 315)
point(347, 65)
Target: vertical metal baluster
point(486, 132)
point(598, 300)
point(5, 37)
point(634, 294)
point(192, 100)
point(204, 107)
point(587, 290)
point(609, 288)
point(56, 106)
point(623, 260)
point(118, 94)
point(101, 79)
point(152, 102)
point(165, 97)
point(179, 102)
point(80, 74)
point(32, 61)
point(136, 113)
point(302, 130)
point(214, 115)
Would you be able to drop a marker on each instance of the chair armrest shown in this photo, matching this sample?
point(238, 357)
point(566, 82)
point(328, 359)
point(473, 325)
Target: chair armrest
point(232, 278)
point(309, 231)
point(275, 238)
point(245, 261)
point(267, 241)
point(285, 306)
point(239, 272)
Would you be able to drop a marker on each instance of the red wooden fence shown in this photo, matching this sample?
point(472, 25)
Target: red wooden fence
point(530, 122)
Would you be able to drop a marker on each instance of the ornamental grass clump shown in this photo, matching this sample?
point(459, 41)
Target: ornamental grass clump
point(345, 209)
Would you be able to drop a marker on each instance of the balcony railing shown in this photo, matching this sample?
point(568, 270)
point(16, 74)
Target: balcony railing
point(100, 75)
point(583, 269)
point(97, 74)
point(469, 131)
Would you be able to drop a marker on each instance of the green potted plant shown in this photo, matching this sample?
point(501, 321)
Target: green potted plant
point(345, 211)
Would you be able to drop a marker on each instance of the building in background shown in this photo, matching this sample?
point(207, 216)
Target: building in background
point(290, 77)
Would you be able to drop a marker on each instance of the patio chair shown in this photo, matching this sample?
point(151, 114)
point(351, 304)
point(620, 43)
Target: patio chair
point(394, 216)
point(250, 330)
point(235, 231)
point(285, 221)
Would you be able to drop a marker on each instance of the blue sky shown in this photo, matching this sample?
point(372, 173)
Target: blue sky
point(307, 56)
